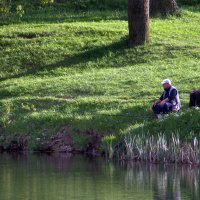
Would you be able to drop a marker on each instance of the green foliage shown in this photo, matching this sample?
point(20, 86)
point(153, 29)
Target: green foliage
point(98, 4)
point(47, 2)
point(20, 10)
point(109, 141)
point(5, 8)
point(189, 2)
point(5, 113)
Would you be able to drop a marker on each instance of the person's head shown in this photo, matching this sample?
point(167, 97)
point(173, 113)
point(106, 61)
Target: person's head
point(166, 84)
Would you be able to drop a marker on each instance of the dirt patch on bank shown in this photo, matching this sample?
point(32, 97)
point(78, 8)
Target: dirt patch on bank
point(61, 141)
point(14, 143)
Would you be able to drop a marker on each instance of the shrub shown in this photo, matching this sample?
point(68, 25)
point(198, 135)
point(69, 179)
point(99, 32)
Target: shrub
point(5, 8)
point(189, 2)
point(20, 10)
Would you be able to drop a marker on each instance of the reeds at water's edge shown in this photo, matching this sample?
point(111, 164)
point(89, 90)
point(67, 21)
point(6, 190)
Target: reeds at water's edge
point(160, 148)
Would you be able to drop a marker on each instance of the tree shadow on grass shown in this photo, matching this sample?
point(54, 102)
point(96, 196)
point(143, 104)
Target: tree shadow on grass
point(50, 17)
point(81, 58)
point(183, 124)
point(97, 116)
point(66, 16)
point(115, 55)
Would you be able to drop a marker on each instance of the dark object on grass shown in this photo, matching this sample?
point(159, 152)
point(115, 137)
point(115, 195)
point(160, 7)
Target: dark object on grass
point(194, 98)
point(163, 7)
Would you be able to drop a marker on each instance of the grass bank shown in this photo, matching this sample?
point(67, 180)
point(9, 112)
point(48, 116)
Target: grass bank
point(75, 69)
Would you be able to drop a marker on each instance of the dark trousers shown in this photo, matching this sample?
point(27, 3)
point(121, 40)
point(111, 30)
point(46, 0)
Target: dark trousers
point(166, 108)
point(194, 98)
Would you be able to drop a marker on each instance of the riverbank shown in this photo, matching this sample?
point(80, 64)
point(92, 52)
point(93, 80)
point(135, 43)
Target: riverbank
point(135, 144)
point(75, 70)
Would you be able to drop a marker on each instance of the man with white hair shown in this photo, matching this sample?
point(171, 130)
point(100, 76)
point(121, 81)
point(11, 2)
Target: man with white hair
point(169, 100)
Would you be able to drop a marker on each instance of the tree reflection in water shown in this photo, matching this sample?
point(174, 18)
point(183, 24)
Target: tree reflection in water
point(166, 181)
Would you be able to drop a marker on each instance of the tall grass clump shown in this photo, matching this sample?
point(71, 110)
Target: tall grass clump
point(109, 141)
point(163, 148)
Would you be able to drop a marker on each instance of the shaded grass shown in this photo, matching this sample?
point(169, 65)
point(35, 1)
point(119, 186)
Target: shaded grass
point(80, 72)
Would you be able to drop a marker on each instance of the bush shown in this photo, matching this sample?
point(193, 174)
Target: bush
point(81, 4)
point(189, 2)
point(98, 4)
point(20, 10)
point(5, 8)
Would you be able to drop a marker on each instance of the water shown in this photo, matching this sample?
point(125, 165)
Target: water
point(66, 177)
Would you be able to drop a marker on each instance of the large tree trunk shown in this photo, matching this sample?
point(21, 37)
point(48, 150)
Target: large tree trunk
point(163, 7)
point(138, 21)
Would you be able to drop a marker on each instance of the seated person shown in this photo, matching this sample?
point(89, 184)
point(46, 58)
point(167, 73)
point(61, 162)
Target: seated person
point(169, 100)
point(194, 98)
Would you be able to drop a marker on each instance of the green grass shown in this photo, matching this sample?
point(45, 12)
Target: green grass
point(77, 70)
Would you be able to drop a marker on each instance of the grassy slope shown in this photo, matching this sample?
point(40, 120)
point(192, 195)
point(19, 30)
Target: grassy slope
point(78, 71)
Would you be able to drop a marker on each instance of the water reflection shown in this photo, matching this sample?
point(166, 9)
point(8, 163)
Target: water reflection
point(63, 176)
point(166, 181)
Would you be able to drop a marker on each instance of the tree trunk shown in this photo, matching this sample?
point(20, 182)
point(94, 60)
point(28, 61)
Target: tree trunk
point(164, 7)
point(138, 21)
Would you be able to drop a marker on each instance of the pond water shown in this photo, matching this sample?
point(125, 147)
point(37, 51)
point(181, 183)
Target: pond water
point(67, 177)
